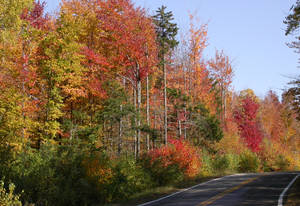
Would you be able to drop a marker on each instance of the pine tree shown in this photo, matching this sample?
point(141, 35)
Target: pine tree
point(166, 33)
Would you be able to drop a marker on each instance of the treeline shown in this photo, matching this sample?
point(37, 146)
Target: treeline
point(106, 69)
point(104, 98)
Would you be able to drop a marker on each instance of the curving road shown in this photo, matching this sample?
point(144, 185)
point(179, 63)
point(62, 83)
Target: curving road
point(234, 190)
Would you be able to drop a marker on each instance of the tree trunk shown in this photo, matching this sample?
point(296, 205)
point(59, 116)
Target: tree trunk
point(185, 116)
point(165, 105)
point(224, 117)
point(154, 123)
point(120, 142)
point(185, 122)
point(179, 128)
point(120, 135)
point(222, 100)
point(139, 98)
point(135, 122)
point(148, 112)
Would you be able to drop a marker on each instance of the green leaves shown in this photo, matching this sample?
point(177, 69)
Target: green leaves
point(10, 13)
point(205, 126)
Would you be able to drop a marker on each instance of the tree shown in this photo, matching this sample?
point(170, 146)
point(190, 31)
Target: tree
point(197, 79)
point(204, 127)
point(293, 94)
point(133, 35)
point(292, 20)
point(120, 43)
point(166, 33)
point(115, 108)
point(21, 25)
point(290, 120)
point(271, 115)
point(245, 115)
point(222, 72)
point(178, 102)
point(61, 74)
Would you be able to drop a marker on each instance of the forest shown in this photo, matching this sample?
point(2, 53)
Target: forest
point(102, 101)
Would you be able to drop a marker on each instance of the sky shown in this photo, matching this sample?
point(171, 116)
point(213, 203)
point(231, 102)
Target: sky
point(250, 32)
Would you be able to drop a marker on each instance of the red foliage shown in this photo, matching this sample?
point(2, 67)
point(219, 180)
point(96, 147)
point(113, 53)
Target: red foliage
point(130, 34)
point(93, 59)
point(36, 15)
point(97, 69)
point(178, 152)
point(245, 117)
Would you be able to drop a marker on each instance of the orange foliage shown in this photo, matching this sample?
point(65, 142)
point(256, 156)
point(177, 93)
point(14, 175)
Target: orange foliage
point(98, 170)
point(271, 116)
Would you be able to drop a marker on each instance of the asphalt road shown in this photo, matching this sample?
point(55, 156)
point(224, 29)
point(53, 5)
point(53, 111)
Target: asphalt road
point(234, 190)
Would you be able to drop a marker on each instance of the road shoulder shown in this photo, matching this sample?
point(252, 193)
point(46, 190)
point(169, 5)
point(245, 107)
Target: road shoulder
point(294, 194)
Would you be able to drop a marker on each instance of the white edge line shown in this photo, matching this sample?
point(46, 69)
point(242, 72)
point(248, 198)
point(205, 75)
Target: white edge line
point(203, 183)
point(280, 201)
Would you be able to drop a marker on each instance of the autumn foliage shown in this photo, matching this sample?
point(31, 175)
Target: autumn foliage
point(178, 152)
point(246, 118)
point(102, 101)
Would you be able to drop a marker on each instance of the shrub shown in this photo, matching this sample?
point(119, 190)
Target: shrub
point(161, 173)
point(275, 158)
point(248, 162)
point(173, 162)
point(6, 160)
point(8, 198)
point(99, 174)
point(128, 179)
point(281, 163)
point(74, 174)
point(220, 164)
point(117, 179)
point(54, 175)
point(233, 162)
point(207, 164)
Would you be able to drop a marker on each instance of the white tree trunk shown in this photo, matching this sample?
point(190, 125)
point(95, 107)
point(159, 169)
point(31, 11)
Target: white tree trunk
point(165, 106)
point(148, 111)
point(135, 120)
point(139, 98)
point(121, 124)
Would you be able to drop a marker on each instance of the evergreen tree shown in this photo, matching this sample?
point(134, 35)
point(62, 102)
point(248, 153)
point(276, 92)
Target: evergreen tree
point(292, 96)
point(293, 22)
point(166, 33)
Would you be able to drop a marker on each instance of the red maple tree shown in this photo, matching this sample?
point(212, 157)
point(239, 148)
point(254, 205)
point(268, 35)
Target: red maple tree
point(245, 117)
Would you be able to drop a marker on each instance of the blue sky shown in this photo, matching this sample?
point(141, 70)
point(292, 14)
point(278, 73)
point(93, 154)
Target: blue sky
point(250, 32)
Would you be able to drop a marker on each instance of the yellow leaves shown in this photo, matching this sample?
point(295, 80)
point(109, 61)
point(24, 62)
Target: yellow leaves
point(82, 14)
point(249, 93)
point(290, 132)
point(230, 143)
point(74, 92)
point(10, 12)
point(11, 120)
point(221, 69)
point(198, 42)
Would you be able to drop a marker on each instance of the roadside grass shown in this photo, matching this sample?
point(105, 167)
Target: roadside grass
point(158, 192)
point(294, 194)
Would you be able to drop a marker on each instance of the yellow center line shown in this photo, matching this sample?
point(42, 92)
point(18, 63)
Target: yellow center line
point(219, 196)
